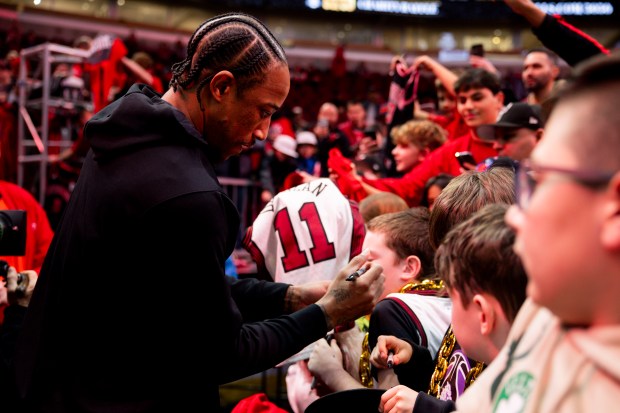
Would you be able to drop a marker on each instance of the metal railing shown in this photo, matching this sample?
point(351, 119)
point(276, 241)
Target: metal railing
point(33, 121)
point(245, 193)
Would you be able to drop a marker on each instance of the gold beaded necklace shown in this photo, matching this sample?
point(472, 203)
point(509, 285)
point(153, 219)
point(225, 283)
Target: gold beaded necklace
point(364, 365)
point(441, 367)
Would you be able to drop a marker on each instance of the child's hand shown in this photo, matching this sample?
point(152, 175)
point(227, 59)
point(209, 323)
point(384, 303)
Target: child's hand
point(401, 349)
point(398, 399)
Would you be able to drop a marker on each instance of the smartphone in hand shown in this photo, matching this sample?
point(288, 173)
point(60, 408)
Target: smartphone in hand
point(477, 50)
point(465, 157)
point(370, 133)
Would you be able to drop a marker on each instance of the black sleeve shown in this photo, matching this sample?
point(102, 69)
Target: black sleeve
point(258, 299)
point(205, 308)
point(567, 41)
point(425, 403)
point(389, 318)
point(9, 330)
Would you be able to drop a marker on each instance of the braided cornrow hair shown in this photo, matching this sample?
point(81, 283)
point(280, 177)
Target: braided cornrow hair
point(236, 42)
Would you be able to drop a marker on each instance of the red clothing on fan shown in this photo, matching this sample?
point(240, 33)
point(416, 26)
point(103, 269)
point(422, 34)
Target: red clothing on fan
point(39, 233)
point(442, 160)
point(8, 143)
point(343, 166)
point(124, 81)
point(352, 133)
point(104, 68)
point(256, 403)
point(454, 125)
point(156, 84)
point(281, 126)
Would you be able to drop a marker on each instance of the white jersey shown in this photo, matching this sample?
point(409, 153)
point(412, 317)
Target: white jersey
point(306, 233)
point(431, 312)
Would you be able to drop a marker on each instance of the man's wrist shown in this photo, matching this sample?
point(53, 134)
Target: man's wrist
point(291, 300)
point(327, 319)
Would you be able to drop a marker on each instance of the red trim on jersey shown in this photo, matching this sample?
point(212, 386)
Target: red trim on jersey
point(414, 318)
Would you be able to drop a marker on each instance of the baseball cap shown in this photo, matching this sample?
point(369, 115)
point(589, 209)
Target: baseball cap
point(306, 138)
point(515, 115)
point(286, 144)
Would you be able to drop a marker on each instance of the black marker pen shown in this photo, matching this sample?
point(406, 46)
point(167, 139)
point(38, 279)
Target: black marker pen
point(357, 274)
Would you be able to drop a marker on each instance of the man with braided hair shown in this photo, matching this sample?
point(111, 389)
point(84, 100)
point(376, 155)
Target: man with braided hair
point(149, 216)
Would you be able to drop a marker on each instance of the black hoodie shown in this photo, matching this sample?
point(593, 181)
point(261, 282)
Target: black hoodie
point(132, 293)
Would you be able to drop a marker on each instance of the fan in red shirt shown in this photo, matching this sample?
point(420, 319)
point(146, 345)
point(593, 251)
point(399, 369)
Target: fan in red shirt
point(479, 101)
point(38, 230)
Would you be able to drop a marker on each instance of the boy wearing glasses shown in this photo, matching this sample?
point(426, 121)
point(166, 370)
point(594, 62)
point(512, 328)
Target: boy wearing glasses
point(563, 351)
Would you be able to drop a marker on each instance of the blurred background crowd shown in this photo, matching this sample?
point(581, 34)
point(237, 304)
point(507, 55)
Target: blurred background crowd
point(372, 94)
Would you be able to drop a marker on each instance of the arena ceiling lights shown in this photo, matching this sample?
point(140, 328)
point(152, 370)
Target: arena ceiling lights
point(578, 8)
point(434, 8)
point(419, 8)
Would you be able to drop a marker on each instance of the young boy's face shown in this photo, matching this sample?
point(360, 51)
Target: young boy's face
point(432, 194)
point(446, 102)
point(393, 268)
point(479, 106)
point(306, 151)
point(406, 156)
point(466, 327)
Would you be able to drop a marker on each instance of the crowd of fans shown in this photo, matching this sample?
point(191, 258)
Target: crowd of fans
point(365, 135)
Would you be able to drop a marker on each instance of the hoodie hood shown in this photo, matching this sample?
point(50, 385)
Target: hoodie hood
point(140, 118)
point(601, 345)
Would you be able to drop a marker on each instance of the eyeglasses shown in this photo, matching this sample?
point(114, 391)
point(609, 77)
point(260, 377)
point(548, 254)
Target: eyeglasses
point(528, 175)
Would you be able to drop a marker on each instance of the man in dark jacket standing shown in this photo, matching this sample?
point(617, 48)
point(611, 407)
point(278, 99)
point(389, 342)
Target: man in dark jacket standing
point(133, 292)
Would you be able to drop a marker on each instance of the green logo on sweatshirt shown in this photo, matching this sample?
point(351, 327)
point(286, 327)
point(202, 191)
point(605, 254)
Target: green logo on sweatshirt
point(514, 394)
